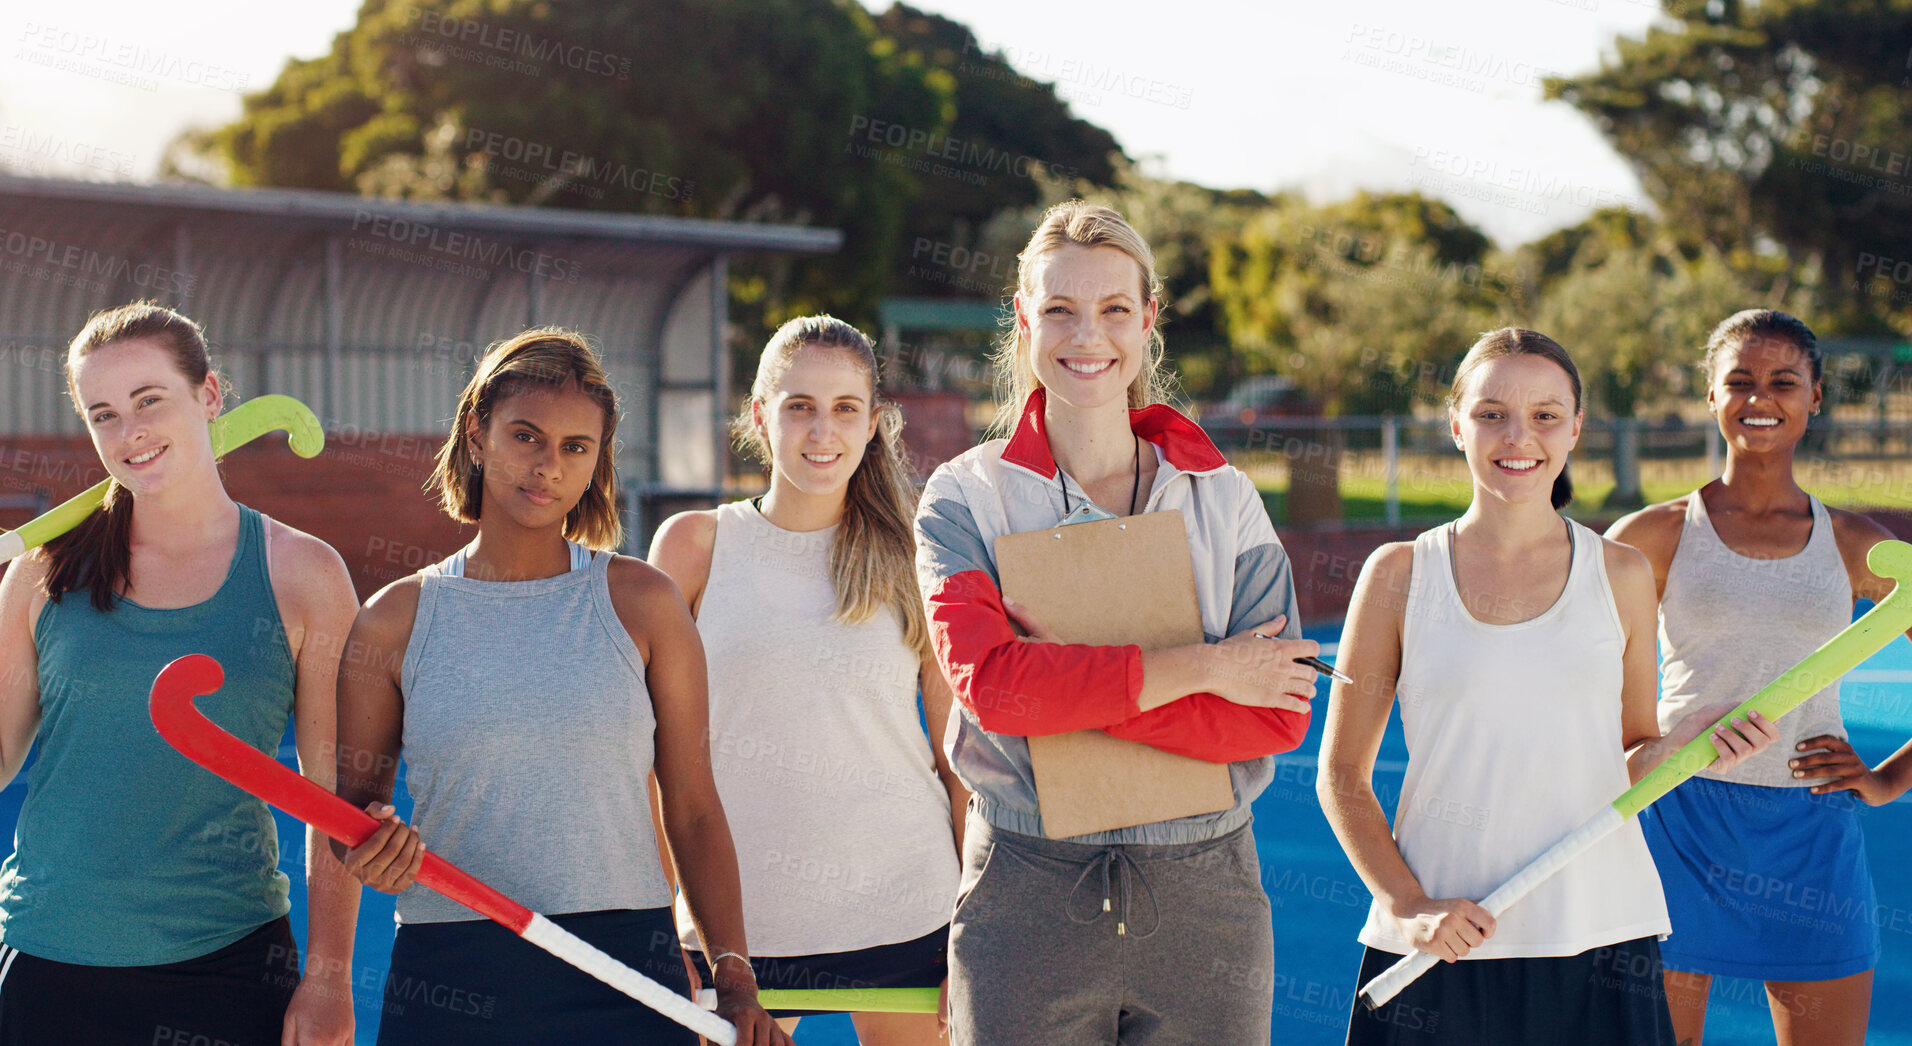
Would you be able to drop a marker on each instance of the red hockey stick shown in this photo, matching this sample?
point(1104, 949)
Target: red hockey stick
point(202, 741)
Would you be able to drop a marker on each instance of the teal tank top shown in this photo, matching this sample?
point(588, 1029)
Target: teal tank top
point(126, 853)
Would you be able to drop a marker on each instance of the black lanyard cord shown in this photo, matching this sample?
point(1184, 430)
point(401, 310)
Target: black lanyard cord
point(1135, 485)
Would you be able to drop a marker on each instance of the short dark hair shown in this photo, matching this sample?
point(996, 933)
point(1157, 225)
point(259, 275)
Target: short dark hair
point(544, 357)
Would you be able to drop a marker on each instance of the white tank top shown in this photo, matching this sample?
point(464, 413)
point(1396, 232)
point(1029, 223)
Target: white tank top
point(1513, 737)
point(827, 777)
point(1730, 624)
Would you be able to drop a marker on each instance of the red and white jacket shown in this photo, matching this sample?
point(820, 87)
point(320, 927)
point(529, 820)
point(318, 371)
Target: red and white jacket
point(1010, 690)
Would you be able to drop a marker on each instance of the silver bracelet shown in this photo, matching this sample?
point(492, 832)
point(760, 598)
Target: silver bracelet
point(721, 956)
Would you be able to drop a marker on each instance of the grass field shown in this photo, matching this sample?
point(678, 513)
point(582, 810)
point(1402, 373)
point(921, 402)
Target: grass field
point(1433, 488)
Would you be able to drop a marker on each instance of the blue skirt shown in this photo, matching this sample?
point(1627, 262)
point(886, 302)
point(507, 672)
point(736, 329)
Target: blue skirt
point(1765, 883)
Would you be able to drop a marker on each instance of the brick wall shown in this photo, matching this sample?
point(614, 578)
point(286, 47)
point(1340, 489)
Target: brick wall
point(363, 497)
point(937, 427)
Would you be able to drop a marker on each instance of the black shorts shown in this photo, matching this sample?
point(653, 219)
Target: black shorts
point(235, 996)
point(475, 983)
point(1600, 997)
point(921, 963)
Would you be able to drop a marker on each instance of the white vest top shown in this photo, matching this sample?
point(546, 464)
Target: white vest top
point(1513, 737)
point(1730, 624)
point(827, 777)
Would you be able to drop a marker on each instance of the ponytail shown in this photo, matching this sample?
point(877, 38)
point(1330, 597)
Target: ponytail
point(97, 555)
point(873, 561)
point(1563, 487)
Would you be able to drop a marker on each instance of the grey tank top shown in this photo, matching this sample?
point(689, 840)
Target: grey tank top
point(1730, 624)
point(528, 744)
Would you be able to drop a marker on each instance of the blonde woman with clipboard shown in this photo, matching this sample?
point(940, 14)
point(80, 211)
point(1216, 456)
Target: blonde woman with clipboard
point(1114, 936)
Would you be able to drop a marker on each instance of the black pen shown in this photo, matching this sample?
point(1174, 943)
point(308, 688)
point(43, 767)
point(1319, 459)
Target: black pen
point(1316, 663)
point(1325, 669)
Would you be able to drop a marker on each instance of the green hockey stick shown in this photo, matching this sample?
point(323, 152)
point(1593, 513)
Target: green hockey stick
point(240, 425)
point(844, 1000)
point(1840, 654)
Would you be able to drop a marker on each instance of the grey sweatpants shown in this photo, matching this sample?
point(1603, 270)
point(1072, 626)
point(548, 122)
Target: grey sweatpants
point(1059, 943)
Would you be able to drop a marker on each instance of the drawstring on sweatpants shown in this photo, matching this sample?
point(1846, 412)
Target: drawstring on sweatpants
point(1106, 860)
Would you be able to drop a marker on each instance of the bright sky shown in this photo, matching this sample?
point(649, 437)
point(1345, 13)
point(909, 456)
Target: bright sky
point(1440, 95)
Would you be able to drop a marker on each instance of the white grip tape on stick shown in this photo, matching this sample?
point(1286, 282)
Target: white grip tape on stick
point(11, 545)
point(581, 954)
point(1403, 973)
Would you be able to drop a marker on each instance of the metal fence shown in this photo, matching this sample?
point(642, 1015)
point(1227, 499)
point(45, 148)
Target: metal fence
point(1862, 462)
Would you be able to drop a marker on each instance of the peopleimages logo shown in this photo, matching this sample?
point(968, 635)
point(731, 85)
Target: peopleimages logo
point(964, 153)
point(411, 235)
point(1076, 78)
point(517, 44)
point(122, 61)
point(37, 256)
point(1430, 59)
point(538, 160)
point(39, 151)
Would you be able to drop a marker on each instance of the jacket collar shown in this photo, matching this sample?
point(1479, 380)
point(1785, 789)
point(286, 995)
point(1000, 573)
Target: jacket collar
point(1184, 445)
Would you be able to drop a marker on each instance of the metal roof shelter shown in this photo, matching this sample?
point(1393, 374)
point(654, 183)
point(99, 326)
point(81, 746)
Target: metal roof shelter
point(373, 310)
point(942, 314)
point(936, 361)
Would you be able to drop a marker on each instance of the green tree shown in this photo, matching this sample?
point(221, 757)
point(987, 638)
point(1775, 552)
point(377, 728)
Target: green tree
point(753, 110)
point(1634, 310)
point(1011, 136)
point(1363, 302)
point(1360, 301)
point(1785, 121)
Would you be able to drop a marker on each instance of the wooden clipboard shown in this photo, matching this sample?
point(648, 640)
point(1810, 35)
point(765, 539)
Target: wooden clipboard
point(1112, 582)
